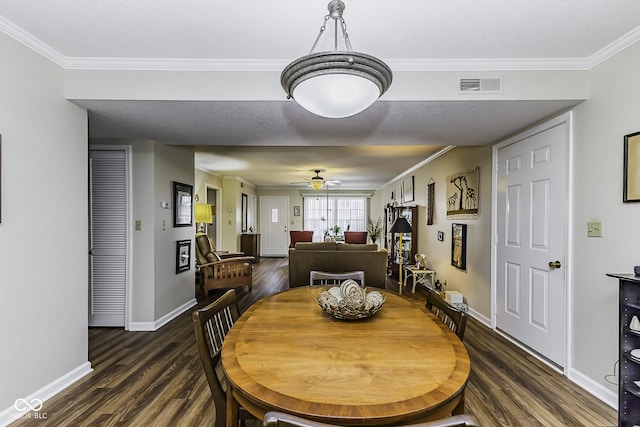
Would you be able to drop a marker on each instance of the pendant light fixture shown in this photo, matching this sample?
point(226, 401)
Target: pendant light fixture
point(338, 83)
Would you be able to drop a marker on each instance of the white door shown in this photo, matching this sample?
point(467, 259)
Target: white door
point(531, 222)
point(108, 237)
point(274, 226)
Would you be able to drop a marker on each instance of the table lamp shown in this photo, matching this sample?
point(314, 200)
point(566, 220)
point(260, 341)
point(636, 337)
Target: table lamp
point(203, 215)
point(400, 225)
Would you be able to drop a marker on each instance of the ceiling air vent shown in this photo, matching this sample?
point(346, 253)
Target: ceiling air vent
point(481, 85)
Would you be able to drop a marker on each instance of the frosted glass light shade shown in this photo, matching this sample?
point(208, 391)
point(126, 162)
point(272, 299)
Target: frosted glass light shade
point(336, 84)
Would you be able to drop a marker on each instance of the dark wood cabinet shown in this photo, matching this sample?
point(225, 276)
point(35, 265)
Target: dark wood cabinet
point(629, 340)
point(392, 240)
point(250, 245)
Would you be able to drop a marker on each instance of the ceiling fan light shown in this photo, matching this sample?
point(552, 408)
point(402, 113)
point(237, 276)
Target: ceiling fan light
point(317, 183)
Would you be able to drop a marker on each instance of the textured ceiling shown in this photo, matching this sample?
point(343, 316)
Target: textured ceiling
point(254, 35)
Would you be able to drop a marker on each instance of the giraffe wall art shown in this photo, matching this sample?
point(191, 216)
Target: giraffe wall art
point(462, 194)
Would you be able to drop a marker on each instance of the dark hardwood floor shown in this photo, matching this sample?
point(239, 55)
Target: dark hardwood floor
point(156, 379)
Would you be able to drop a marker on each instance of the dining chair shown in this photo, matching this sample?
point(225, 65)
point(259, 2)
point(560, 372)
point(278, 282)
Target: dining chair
point(326, 278)
point(211, 325)
point(281, 419)
point(455, 319)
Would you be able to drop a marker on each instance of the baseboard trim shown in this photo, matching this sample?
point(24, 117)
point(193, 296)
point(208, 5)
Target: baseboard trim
point(607, 396)
point(154, 326)
point(480, 317)
point(45, 393)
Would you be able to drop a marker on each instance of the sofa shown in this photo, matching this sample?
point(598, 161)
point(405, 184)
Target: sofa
point(337, 258)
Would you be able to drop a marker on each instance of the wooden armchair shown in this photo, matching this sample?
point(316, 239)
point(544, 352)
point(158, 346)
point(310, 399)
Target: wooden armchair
point(217, 272)
point(355, 237)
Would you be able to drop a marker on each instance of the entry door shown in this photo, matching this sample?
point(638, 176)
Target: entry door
point(108, 237)
point(274, 225)
point(532, 200)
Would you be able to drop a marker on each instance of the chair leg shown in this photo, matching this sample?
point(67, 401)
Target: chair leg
point(459, 409)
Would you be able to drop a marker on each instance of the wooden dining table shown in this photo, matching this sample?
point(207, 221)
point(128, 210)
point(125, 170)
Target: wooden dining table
point(399, 366)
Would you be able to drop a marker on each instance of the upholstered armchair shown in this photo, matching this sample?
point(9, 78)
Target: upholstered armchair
point(300, 236)
point(355, 237)
point(222, 271)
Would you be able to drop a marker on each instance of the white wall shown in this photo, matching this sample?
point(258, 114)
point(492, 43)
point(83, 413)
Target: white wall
point(43, 234)
point(171, 290)
point(612, 111)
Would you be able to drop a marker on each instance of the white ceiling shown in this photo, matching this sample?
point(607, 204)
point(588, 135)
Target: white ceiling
point(264, 36)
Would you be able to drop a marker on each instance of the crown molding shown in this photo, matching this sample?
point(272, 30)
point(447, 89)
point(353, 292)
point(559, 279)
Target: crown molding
point(276, 65)
point(614, 48)
point(30, 41)
point(247, 65)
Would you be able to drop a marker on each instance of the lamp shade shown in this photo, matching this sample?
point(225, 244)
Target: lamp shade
point(401, 225)
point(203, 213)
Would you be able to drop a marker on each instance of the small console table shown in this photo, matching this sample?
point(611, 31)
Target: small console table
point(420, 276)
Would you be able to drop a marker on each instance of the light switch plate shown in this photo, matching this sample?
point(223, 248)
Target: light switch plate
point(594, 229)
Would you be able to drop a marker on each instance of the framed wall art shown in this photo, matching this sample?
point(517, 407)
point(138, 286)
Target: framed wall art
point(440, 236)
point(296, 211)
point(407, 190)
point(245, 207)
point(182, 205)
point(631, 183)
point(459, 246)
point(183, 255)
point(463, 195)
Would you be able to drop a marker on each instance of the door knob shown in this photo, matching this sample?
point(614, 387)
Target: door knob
point(555, 264)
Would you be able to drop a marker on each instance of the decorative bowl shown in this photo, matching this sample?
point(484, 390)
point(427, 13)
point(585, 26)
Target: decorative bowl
point(349, 301)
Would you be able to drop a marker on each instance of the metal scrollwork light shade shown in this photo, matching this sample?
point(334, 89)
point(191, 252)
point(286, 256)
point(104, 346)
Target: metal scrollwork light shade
point(336, 84)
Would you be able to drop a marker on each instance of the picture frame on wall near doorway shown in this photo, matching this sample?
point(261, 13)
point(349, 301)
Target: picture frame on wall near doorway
point(182, 204)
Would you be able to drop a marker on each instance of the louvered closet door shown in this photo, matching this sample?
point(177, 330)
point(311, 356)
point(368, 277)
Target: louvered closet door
point(108, 234)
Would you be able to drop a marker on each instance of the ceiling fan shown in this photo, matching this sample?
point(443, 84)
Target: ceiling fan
point(317, 182)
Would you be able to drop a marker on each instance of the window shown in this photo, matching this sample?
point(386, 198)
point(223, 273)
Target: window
point(323, 213)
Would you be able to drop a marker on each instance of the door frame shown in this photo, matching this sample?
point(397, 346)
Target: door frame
point(218, 224)
point(568, 255)
point(128, 226)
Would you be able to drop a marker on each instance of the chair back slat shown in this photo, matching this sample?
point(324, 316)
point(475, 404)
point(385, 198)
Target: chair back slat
point(453, 318)
point(281, 419)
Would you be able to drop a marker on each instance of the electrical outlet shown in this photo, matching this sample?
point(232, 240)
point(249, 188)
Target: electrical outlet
point(594, 229)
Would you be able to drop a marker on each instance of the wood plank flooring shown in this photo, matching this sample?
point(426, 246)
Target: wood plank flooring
point(156, 379)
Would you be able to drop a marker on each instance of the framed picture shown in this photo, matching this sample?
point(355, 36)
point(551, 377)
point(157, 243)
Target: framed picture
point(183, 255)
point(441, 236)
point(459, 246)
point(182, 204)
point(245, 218)
point(296, 211)
point(631, 183)
point(407, 190)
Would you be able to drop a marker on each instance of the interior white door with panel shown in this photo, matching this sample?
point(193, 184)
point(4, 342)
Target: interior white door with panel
point(531, 229)
point(108, 234)
point(274, 225)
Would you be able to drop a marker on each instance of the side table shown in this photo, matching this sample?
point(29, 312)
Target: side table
point(420, 276)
